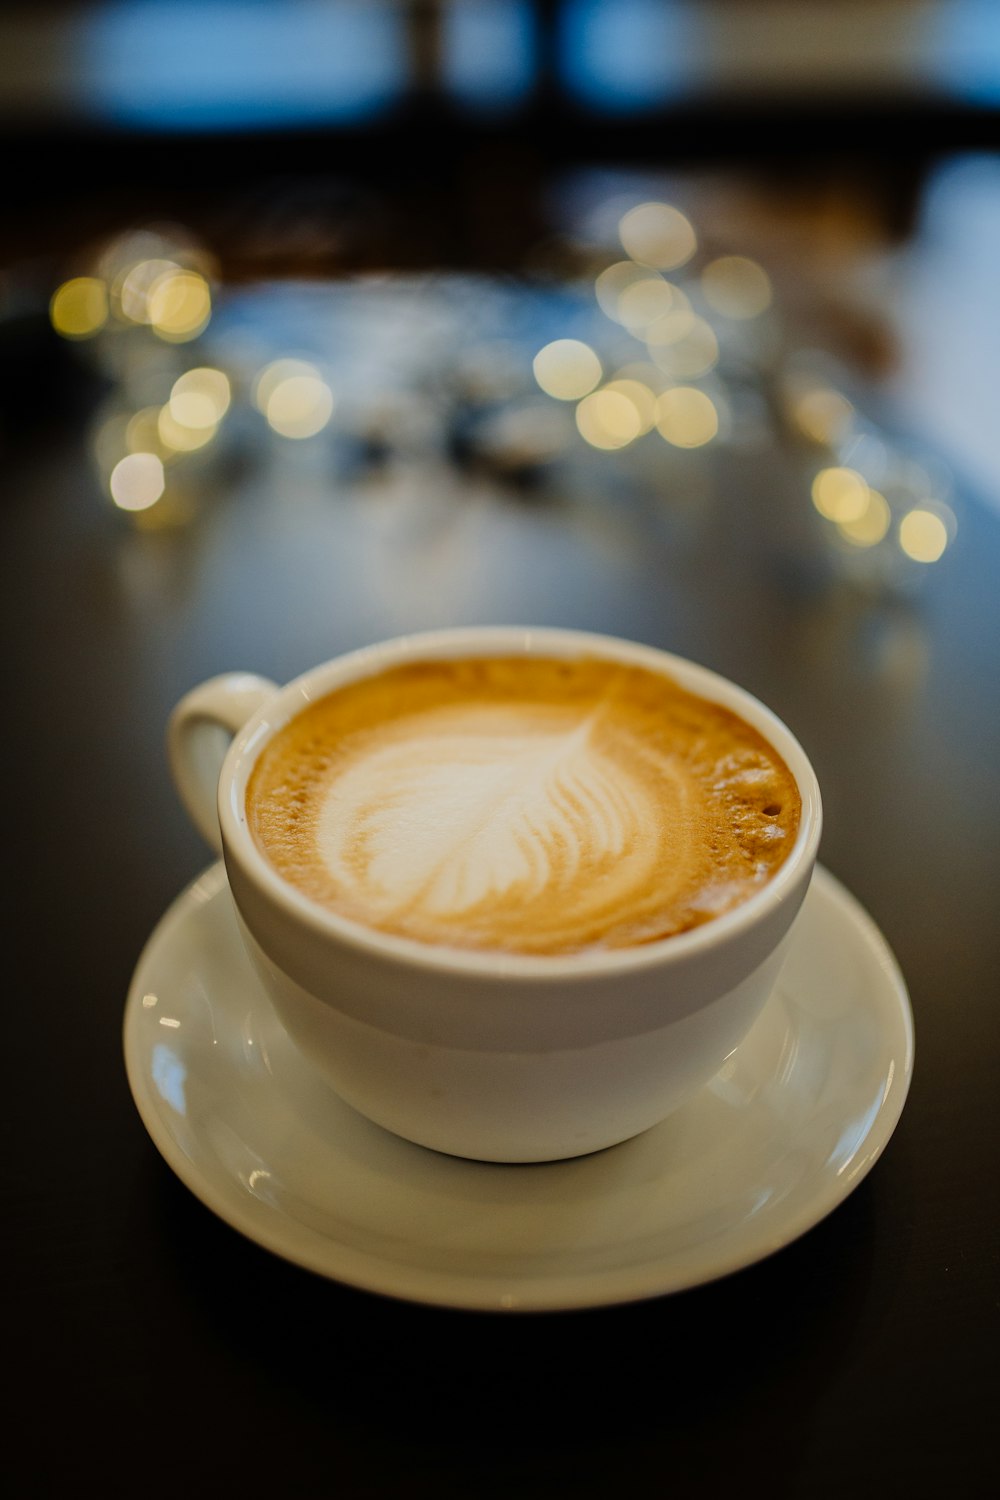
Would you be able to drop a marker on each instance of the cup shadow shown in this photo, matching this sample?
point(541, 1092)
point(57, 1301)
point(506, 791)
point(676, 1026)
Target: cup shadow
point(674, 1369)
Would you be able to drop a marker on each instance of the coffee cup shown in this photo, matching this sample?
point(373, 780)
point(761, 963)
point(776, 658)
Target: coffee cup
point(529, 1031)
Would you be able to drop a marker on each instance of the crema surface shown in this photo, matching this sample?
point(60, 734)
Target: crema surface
point(521, 804)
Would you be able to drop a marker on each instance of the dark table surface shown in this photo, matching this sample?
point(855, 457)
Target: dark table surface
point(152, 1350)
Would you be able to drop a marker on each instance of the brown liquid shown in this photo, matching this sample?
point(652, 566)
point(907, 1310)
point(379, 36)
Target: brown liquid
point(523, 804)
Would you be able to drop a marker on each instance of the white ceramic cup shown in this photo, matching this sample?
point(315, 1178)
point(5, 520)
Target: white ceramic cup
point(498, 1057)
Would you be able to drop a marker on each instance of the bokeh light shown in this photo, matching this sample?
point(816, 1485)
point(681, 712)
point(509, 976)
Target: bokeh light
point(840, 495)
point(736, 287)
point(176, 437)
point(614, 281)
point(294, 398)
point(641, 397)
point(179, 305)
point(200, 398)
point(131, 288)
point(271, 376)
point(608, 419)
point(923, 535)
point(137, 481)
point(567, 369)
point(673, 325)
point(868, 529)
point(643, 301)
point(300, 407)
point(686, 417)
point(79, 308)
point(657, 235)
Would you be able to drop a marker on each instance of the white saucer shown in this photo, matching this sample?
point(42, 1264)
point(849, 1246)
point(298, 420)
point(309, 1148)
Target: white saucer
point(797, 1117)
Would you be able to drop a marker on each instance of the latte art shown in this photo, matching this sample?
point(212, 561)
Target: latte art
point(531, 805)
point(446, 822)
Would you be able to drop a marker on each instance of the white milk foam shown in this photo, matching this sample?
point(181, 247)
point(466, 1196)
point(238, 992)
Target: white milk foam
point(444, 822)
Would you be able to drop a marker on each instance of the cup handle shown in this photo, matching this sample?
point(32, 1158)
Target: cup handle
point(200, 731)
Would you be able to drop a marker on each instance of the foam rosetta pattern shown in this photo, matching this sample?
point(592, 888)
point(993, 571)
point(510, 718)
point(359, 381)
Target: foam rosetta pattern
point(448, 826)
point(544, 817)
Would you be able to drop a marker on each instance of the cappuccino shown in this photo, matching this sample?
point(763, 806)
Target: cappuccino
point(523, 804)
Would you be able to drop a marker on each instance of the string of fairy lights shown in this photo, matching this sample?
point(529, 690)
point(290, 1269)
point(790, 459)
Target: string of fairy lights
point(688, 325)
point(683, 315)
point(146, 304)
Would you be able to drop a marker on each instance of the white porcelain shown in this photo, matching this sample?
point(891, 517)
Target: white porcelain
point(490, 1056)
point(792, 1123)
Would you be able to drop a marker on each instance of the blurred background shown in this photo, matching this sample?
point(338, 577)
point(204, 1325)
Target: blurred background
point(437, 197)
point(602, 253)
point(325, 320)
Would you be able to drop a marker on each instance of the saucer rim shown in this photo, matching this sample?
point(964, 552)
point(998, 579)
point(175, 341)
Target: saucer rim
point(367, 1272)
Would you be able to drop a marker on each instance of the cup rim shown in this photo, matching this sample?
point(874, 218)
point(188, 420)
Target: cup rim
point(463, 641)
